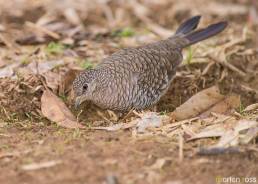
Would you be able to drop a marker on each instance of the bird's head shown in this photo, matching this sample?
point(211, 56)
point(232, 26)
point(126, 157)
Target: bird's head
point(84, 85)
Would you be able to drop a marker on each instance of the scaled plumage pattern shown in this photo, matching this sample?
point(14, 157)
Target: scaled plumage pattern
point(138, 77)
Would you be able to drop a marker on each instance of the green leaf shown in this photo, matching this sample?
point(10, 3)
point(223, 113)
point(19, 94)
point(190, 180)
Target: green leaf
point(55, 48)
point(189, 56)
point(86, 64)
point(126, 32)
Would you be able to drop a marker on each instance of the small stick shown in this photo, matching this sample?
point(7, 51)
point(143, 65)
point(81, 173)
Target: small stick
point(43, 30)
point(181, 146)
point(128, 114)
point(228, 65)
point(104, 117)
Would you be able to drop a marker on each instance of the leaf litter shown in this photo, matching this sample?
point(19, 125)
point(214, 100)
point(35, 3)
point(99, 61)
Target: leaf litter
point(208, 113)
point(205, 102)
point(55, 110)
point(209, 107)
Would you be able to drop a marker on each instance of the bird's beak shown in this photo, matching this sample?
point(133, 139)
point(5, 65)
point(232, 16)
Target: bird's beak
point(78, 101)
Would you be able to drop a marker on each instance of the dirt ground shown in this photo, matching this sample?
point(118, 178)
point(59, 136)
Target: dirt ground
point(76, 35)
point(91, 157)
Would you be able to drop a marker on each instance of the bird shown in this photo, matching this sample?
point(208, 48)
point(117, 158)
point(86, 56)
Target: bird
point(137, 77)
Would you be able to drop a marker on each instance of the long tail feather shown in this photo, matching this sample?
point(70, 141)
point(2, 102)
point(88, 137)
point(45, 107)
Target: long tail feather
point(202, 34)
point(189, 25)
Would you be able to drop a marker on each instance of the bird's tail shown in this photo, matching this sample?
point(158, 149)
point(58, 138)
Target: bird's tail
point(202, 34)
point(192, 36)
point(188, 26)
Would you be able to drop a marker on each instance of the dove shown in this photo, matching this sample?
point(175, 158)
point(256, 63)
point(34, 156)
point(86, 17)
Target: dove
point(136, 78)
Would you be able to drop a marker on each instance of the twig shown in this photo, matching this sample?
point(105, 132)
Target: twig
point(104, 117)
point(228, 65)
point(43, 30)
point(181, 146)
point(207, 68)
point(42, 81)
point(179, 123)
point(5, 135)
point(128, 114)
point(136, 113)
point(36, 166)
point(140, 12)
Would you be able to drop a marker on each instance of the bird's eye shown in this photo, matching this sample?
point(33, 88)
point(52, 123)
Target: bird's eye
point(85, 87)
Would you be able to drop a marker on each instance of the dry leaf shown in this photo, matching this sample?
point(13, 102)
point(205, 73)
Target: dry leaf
point(8, 71)
point(161, 163)
point(67, 80)
point(215, 130)
point(52, 80)
point(238, 134)
point(251, 107)
point(55, 110)
point(149, 120)
point(72, 16)
point(229, 138)
point(223, 106)
point(42, 67)
point(9, 41)
point(40, 29)
point(250, 135)
point(231, 133)
point(205, 102)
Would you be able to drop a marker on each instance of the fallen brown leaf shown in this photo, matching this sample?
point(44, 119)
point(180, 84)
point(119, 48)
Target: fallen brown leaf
point(67, 79)
point(223, 106)
point(42, 67)
point(55, 110)
point(52, 80)
point(205, 102)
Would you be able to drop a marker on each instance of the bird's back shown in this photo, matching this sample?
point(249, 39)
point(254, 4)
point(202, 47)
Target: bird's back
point(138, 77)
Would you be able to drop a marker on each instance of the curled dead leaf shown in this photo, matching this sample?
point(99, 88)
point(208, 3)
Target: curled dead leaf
point(55, 110)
